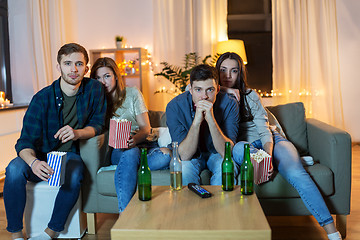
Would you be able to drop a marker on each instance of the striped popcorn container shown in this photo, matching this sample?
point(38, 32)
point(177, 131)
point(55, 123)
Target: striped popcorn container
point(119, 133)
point(263, 168)
point(57, 161)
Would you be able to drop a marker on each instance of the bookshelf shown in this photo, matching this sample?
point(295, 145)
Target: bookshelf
point(133, 64)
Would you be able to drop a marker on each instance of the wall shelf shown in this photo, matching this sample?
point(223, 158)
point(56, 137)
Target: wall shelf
point(136, 74)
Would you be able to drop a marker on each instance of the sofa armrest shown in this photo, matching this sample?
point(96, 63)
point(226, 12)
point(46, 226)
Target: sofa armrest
point(93, 153)
point(331, 147)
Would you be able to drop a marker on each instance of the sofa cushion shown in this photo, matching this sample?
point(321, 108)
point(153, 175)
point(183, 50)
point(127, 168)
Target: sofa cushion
point(157, 119)
point(273, 122)
point(277, 188)
point(280, 188)
point(162, 177)
point(291, 117)
point(106, 185)
point(105, 181)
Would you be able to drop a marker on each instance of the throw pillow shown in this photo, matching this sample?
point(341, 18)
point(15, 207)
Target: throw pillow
point(275, 123)
point(291, 116)
point(164, 137)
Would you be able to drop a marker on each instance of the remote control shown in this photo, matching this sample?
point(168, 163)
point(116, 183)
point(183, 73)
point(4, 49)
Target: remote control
point(199, 190)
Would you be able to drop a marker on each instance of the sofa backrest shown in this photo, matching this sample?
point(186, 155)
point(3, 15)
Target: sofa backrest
point(291, 117)
point(157, 119)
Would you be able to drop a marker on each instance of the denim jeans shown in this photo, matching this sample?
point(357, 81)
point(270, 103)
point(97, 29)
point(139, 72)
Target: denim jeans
point(191, 169)
point(127, 161)
point(18, 173)
point(287, 161)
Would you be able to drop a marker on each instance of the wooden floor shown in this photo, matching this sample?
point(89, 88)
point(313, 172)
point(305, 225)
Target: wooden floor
point(283, 228)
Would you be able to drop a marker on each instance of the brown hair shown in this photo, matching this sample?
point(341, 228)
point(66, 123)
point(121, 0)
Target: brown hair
point(203, 72)
point(72, 48)
point(116, 95)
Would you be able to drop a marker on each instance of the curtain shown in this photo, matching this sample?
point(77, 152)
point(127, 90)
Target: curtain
point(33, 50)
point(184, 26)
point(305, 58)
point(181, 27)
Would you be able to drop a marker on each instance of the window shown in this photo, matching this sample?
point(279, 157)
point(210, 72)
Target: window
point(5, 79)
point(250, 21)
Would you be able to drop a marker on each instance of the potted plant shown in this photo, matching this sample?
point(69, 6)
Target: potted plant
point(119, 41)
point(180, 76)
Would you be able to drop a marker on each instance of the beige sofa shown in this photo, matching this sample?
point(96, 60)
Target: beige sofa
point(329, 146)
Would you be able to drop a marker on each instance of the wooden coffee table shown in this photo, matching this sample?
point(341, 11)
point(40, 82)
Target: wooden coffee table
point(184, 215)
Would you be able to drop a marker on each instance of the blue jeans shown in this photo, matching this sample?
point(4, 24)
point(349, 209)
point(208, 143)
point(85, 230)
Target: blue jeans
point(287, 161)
point(127, 161)
point(17, 175)
point(191, 169)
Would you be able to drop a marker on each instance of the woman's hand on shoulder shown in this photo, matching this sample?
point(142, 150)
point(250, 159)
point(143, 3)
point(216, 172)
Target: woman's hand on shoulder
point(233, 91)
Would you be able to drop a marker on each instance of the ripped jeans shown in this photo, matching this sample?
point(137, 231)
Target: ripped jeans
point(127, 161)
point(287, 161)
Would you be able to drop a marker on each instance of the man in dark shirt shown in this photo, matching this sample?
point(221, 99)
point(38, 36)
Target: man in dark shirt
point(71, 108)
point(201, 120)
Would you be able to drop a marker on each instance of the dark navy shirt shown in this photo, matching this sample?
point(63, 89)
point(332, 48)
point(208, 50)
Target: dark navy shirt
point(180, 114)
point(44, 115)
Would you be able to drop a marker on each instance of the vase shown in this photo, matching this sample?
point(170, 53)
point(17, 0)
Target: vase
point(119, 44)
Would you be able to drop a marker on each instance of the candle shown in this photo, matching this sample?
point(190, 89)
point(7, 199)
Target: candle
point(2, 97)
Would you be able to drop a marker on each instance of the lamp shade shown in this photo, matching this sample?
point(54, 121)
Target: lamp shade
point(236, 46)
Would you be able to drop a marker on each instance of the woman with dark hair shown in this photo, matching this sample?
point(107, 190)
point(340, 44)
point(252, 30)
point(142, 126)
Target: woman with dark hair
point(128, 103)
point(255, 129)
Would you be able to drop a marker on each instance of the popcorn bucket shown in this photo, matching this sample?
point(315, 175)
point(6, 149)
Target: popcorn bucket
point(119, 133)
point(57, 161)
point(263, 168)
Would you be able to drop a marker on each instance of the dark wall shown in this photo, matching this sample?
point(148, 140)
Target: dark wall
point(250, 21)
point(5, 79)
point(259, 56)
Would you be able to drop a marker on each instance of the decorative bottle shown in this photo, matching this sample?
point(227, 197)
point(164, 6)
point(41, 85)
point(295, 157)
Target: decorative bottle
point(175, 168)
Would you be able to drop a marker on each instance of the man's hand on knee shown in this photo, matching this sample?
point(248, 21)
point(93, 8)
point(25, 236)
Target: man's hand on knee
point(42, 170)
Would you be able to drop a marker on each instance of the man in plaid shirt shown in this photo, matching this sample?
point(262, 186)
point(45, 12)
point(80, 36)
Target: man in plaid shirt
point(71, 108)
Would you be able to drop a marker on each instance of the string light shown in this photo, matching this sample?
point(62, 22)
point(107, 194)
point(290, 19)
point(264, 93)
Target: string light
point(172, 91)
point(276, 93)
point(128, 67)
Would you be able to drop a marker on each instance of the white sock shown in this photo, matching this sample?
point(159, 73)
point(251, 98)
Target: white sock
point(41, 236)
point(334, 236)
point(19, 238)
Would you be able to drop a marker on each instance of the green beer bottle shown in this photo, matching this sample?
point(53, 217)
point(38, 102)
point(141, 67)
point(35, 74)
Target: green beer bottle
point(175, 168)
point(227, 168)
point(247, 173)
point(144, 178)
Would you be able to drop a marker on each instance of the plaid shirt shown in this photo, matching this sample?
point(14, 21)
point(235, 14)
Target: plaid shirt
point(44, 115)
